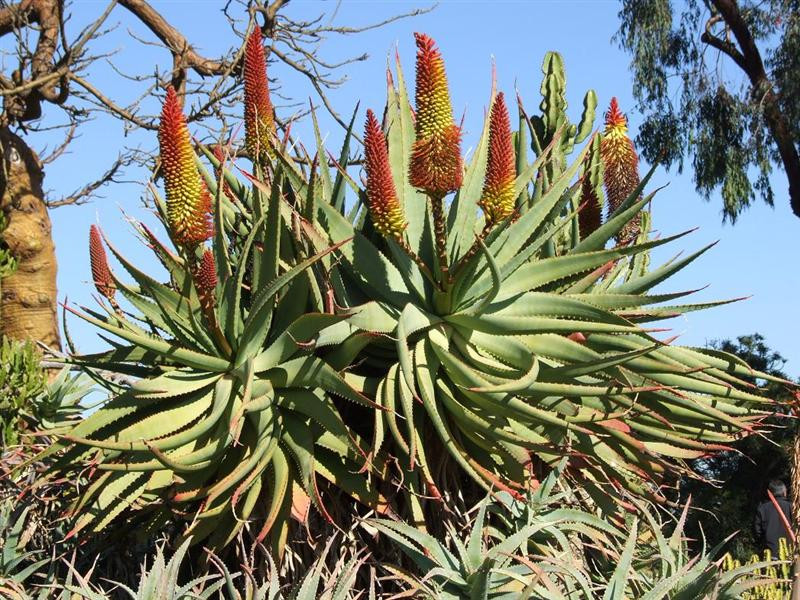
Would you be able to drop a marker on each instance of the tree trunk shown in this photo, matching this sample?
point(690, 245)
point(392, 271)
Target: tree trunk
point(28, 296)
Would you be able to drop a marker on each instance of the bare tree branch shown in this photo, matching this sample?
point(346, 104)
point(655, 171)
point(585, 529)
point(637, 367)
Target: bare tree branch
point(723, 46)
point(89, 191)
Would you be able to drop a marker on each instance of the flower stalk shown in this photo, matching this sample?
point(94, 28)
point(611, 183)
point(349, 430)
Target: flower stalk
point(436, 166)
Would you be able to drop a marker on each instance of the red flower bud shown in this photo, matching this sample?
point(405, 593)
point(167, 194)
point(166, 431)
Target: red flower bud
point(498, 199)
point(259, 122)
point(101, 273)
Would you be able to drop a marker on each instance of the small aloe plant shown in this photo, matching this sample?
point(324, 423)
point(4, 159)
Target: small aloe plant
point(495, 561)
point(541, 547)
point(159, 581)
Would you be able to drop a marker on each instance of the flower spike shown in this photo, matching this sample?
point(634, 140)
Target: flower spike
point(621, 167)
point(259, 121)
point(101, 273)
point(384, 207)
point(188, 201)
point(436, 155)
point(206, 279)
point(498, 198)
point(591, 215)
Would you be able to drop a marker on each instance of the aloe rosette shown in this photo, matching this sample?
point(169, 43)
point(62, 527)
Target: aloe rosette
point(547, 545)
point(506, 341)
point(228, 414)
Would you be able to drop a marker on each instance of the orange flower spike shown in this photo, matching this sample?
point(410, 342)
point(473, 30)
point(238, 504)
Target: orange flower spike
point(384, 207)
point(498, 197)
point(436, 155)
point(101, 273)
point(188, 200)
point(621, 166)
point(206, 277)
point(259, 121)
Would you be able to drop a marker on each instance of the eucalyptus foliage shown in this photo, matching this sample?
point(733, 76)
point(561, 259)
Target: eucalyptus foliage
point(732, 125)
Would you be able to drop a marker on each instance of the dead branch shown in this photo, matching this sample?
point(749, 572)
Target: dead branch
point(56, 71)
point(89, 191)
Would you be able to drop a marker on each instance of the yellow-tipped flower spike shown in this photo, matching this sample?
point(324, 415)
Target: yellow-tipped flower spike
point(384, 207)
point(498, 199)
point(621, 167)
point(436, 156)
point(259, 121)
point(188, 200)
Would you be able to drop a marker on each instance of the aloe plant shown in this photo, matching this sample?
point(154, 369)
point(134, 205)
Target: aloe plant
point(22, 381)
point(227, 414)
point(549, 546)
point(497, 561)
point(502, 330)
point(159, 581)
point(490, 324)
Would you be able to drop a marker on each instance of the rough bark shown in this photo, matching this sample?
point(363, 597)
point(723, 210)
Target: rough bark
point(28, 296)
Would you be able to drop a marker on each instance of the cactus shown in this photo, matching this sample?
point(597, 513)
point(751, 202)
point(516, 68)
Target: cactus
point(772, 576)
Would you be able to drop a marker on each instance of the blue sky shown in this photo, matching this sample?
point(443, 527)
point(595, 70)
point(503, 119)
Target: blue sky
point(753, 258)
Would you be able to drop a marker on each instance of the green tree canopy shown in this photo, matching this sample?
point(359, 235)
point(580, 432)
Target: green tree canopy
point(717, 83)
point(740, 476)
